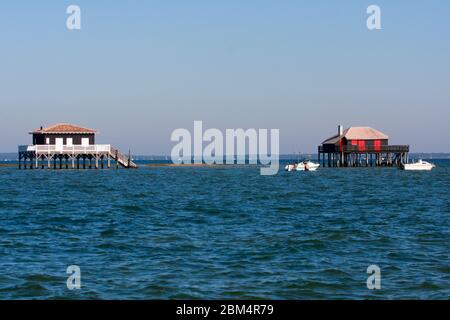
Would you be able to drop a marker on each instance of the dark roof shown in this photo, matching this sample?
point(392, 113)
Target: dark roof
point(64, 128)
point(333, 140)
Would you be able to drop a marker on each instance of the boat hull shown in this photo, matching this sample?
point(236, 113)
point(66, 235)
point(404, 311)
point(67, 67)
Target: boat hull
point(419, 166)
point(310, 166)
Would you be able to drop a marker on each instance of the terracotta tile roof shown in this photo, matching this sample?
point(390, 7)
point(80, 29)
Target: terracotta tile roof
point(358, 133)
point(364, 133)
point(64, 128)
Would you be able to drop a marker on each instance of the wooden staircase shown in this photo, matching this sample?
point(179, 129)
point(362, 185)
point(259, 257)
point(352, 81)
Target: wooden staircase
point(121, 159)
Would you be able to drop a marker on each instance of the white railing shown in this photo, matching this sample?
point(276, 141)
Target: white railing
point(51, 148)
point(27, 148)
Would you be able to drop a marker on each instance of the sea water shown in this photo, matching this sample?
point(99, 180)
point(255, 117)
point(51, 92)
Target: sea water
point(225, 232)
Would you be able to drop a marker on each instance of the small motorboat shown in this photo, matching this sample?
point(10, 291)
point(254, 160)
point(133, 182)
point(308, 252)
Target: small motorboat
point(290, 167)
point(307, 166)
point(419, 165)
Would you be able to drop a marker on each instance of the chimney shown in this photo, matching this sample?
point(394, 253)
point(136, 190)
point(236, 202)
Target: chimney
point(41, 128)
point(340, 130)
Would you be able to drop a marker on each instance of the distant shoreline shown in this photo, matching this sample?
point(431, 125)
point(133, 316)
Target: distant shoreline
point(143, 163)
point(195, 165)
point(11, 157)
point(14, 164)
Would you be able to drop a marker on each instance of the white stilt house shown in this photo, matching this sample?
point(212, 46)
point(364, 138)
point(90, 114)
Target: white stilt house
point(73, 146)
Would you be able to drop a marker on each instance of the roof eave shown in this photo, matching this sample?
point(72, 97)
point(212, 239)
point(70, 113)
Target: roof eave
point(43, 132)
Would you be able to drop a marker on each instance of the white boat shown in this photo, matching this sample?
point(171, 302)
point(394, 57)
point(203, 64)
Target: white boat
point(419, 165)
point(289, 167)
point(307, 166)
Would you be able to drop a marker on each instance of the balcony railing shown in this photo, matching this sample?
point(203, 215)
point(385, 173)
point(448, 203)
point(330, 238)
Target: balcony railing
point(370, 149)
point(52, 148)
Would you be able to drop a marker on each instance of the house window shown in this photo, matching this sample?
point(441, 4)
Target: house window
point(59, 142)
point(47, 140)
point(69, 142)
point(361, 145)
point(377, 145)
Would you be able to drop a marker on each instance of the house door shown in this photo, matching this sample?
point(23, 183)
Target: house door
point(69, 142)
point(84, 142)
point(59, 144)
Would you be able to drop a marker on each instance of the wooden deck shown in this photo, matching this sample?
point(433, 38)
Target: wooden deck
point(354, 156)
point(72, 157)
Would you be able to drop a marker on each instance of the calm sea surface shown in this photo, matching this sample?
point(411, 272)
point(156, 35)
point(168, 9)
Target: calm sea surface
point(185, 232)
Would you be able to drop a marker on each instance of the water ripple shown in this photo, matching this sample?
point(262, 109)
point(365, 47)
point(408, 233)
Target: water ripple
point(181, 233)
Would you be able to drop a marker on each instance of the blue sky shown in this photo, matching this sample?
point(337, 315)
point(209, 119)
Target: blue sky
point(140, 69)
